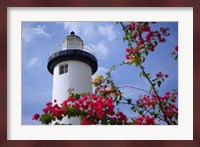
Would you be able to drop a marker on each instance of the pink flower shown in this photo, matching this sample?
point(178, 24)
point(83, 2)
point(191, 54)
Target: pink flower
point(145, 120)
point(111, 112)
point(141, 40)
point(139, 120)
point(65, 103)
point(163, 40)
point(58, 112)
point(76, 106)
point(132, 26)
point(121, 116)
point(84, 121)
point(147, 29)
point(128, 57)
point(164, 30)
point(135, 51)
point(35, 116)
point(148, 36)
point(128, 50)
point(134, 35)
point(152, 48)
point(176, 48)
point(49, 104)
point(149, 120)
point(84, 98)
point(159, 75)
point(45, 110)
point(72, 99)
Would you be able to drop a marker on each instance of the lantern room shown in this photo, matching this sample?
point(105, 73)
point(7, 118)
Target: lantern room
point(72, 41)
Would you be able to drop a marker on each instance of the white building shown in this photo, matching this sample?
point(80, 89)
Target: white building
point(72, 64)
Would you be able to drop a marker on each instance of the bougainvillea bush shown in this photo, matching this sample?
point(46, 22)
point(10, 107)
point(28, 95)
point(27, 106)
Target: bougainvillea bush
point(99, 107)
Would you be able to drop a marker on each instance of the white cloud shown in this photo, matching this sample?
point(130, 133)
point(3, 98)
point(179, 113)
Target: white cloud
point(131, 93)
point(79, 28)
point(107, 31)
point(29, 33)
point(40, 30)
point(72, 26)
point(102, 71)
point(101, 50)
point(91, 30)
point(33, 62)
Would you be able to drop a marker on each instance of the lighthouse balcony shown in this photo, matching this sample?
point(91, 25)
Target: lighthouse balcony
point(72, 45)
point(66, 52)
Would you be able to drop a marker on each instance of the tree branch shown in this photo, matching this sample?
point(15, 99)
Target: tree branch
point(135, 88)
point(142, 68)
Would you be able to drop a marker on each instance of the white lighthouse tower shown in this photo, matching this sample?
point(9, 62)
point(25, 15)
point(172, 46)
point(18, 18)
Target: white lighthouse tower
point(72, 64)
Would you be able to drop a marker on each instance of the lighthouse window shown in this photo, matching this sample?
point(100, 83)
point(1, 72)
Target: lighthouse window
point(63, 69)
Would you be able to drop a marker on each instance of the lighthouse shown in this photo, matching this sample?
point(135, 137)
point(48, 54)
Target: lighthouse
point(72, 64)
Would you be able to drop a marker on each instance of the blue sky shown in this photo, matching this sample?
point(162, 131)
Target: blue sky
point(106, 38)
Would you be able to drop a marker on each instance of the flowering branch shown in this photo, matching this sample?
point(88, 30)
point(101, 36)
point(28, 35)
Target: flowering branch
point(134, 56)
point(99, 108)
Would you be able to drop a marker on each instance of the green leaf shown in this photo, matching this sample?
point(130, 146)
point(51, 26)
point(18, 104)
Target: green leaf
point(142, 59)
point(154, 79)
point(155, 115)
point(129, 101)
point(173, 53)
point(125, 38)
point(156, 43)
point(159, 83)
point(117, 102)
point(129, 45)
point(134, 109)
point(146, 52)
point(176, 58)
point(151, 87)
point(136, 62)
point(153, 106)
point(77, 96)
point(141, 74)
point(60, 118)
point(146, 23)
point(141, 112)
point(147, 75)
point(154, 84)
point(46, 118)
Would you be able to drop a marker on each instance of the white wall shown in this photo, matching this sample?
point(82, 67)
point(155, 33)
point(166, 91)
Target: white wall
point(78, 77)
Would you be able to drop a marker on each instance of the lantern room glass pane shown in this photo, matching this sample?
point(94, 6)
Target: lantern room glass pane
point(71, 45)
point(74, 44)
